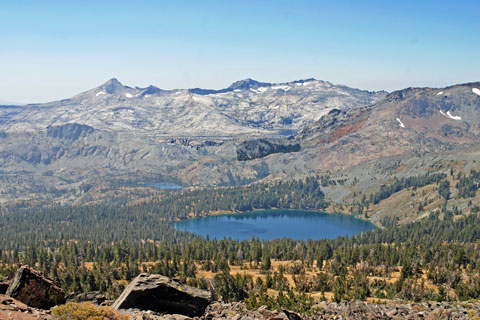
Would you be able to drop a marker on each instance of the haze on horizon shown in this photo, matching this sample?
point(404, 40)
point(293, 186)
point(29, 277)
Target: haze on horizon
point(51, 50)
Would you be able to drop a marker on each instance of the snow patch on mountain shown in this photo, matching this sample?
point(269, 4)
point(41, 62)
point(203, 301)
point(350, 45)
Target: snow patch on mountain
point(440, 93)
point(99, 93)
point(284, 88)
point(450, 116)
point(476, 91)
point(453, 117)
point(401, 123)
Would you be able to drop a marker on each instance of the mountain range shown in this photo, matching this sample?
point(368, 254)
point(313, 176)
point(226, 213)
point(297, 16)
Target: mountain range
point(111, 141)
point(246, 107)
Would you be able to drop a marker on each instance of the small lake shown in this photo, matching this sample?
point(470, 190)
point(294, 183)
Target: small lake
point(274, 224)
point(160, 185)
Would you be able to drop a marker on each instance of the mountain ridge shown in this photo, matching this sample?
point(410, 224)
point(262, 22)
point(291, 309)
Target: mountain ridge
point(113, 85)
point(278, 131)
point(239, 109)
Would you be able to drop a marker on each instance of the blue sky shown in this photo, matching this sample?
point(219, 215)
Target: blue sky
point(54, 49)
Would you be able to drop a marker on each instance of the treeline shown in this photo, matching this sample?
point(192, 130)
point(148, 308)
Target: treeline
point(403, 183)
point(295, 194)
point(468, 185)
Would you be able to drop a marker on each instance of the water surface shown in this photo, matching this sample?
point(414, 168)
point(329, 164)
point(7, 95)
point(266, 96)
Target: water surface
point(273, 224)
point(160, 185)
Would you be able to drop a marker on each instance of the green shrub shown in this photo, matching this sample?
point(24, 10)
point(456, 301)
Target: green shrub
point(86, 311)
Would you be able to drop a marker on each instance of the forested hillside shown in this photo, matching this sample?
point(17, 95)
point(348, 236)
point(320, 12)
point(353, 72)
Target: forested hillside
point(97, 248)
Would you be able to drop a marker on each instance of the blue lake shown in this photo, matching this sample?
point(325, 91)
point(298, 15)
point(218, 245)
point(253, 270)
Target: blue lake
point(273, 224)
point(160, 185)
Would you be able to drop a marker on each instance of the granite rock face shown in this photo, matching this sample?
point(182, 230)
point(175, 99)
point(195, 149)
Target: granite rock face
point(34, 289)
point(161, 294)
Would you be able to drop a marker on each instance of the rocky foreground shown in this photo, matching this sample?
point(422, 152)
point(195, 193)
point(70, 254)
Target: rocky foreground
point(155, 297)
point(16, 310)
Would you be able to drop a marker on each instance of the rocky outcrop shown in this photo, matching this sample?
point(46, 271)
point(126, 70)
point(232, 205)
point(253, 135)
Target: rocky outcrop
point(34, 289)
point(161, 294)
point(259, 148)
point(69, 131)
point(95, 297)
point(12, 309)
point(335, 125)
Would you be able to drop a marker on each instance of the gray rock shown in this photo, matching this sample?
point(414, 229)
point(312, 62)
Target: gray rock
point(440, 314)
point(162, 294)
point(267, 314)
point(95, 297)
point(69, 131)
point(392, 313)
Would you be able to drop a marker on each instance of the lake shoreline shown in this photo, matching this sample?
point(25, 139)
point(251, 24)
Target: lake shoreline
point(270, 224)
point(226, 212)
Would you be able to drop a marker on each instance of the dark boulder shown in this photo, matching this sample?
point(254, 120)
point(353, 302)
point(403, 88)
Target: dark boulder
point(4, 286)
point(34, 289)
point(292, 315)
point(162, 294)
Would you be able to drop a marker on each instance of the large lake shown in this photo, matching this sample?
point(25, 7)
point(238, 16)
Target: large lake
point(273, 224)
